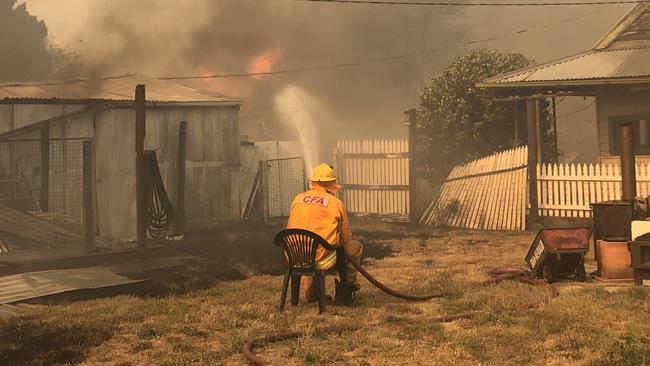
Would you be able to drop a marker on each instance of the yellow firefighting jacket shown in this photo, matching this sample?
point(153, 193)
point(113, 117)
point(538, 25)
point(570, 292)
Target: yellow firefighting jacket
point(321, 212)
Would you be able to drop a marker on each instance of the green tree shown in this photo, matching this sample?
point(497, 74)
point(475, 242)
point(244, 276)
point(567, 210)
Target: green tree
point(459, 122)
point(26, 52)
point(23, 41)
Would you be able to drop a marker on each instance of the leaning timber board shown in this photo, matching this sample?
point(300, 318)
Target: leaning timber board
point(486, 194)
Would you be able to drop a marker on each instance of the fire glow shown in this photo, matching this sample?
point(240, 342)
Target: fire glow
point(226, 86)
point(263, 63)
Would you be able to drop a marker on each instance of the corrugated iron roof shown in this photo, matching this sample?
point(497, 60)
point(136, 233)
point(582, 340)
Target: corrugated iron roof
point(622, 56)
point(31, 285)
point(592, 66)
point(121, 89)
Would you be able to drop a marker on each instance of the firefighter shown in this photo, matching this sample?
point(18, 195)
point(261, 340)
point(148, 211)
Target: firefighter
point(320, 211)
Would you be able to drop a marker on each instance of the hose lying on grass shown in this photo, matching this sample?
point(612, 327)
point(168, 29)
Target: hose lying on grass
point(388, 290)
point(498, 275)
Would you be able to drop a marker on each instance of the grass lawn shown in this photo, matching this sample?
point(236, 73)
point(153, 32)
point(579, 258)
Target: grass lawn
point(588, 324)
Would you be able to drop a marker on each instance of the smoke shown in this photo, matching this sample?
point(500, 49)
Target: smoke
point(201, 37)
point(295, 108)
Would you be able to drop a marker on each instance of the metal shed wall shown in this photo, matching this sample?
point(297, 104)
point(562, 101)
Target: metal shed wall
point(13, 116)
point(212, 161)
point(212, 165)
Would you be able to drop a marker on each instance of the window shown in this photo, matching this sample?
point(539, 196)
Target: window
point(641, 129)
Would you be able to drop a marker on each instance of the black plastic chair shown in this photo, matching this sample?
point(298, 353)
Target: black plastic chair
point(300, 248)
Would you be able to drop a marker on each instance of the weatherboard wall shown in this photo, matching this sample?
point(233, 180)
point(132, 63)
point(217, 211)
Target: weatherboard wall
point(615, 102)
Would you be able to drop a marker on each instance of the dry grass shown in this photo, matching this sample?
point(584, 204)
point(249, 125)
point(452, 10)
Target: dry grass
point(585, 325)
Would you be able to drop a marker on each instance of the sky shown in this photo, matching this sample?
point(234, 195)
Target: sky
point(198, 37)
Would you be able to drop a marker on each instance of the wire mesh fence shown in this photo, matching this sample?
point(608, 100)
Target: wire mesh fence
point(41, 192)
point(282, 180)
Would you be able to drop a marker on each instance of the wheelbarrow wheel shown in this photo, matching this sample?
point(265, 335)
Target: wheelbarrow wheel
point(581, 273)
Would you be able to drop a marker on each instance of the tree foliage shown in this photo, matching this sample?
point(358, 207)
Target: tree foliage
point(26, 52)
point(459, 122)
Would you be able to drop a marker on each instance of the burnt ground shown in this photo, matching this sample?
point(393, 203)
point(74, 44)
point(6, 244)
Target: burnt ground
point(205, 257)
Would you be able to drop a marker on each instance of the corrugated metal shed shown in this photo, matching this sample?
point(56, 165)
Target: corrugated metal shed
point(592, 66)
point(119, 88)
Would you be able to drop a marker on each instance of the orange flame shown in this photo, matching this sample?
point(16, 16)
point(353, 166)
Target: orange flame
point(224, 86)
point(264, 63)
point(238, 87)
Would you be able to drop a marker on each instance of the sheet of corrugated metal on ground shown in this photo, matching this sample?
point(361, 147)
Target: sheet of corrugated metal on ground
point(32, 285)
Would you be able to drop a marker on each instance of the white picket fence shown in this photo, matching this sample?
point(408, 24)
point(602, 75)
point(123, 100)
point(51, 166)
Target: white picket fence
point(566, 190)
point(492, 193)
point(488, 193)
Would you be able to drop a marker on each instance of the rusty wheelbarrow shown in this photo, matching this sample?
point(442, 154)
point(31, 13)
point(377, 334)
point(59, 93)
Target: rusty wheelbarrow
point(558, 253)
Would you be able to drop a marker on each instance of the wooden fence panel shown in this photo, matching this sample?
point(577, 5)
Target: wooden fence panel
point(374, 177)
point(488, 193)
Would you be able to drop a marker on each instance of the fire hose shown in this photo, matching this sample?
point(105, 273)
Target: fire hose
point(388, 290)
point(159, 210)
point(498, 275)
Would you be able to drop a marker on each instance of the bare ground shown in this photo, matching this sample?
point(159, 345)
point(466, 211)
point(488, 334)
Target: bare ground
point(208, 320)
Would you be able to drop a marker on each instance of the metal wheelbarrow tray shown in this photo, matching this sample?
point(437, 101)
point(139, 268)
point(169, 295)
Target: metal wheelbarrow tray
point(559, 253)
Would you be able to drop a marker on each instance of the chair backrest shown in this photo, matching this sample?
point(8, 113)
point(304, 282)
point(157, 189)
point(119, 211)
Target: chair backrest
point(300, 247)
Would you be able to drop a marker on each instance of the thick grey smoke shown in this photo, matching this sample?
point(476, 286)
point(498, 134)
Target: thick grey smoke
point(189, 37)
point(233, 36)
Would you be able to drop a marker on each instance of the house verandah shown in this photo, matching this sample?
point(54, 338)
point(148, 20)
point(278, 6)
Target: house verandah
point(615, 72)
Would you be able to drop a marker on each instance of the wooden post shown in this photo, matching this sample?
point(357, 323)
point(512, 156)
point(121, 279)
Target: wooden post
point(89, 214)
point(557, 150)
point(45, 168)
point(263, 192)
point(140, 112)
point(533, 217)
point(538, 128)
point(342, 179)
point(628, 164)
point(179, 220)
point(516, 108)
point(413, 134)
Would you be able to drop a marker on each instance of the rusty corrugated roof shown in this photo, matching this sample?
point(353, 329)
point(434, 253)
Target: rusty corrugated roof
point(120, 88)
point(593, 66)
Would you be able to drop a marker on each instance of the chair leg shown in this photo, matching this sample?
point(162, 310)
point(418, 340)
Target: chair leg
point(285, 285)
point(295, 289)
point(320, 291)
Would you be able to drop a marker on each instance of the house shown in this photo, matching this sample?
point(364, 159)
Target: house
point(43, 126)
point(615, 71)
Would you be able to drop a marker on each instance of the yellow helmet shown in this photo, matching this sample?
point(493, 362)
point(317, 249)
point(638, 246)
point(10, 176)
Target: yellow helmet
point(323, 173)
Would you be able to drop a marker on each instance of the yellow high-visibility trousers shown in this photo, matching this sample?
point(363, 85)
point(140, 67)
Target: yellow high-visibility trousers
point(354, 249)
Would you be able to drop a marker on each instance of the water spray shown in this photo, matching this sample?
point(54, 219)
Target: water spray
point(295, 107)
